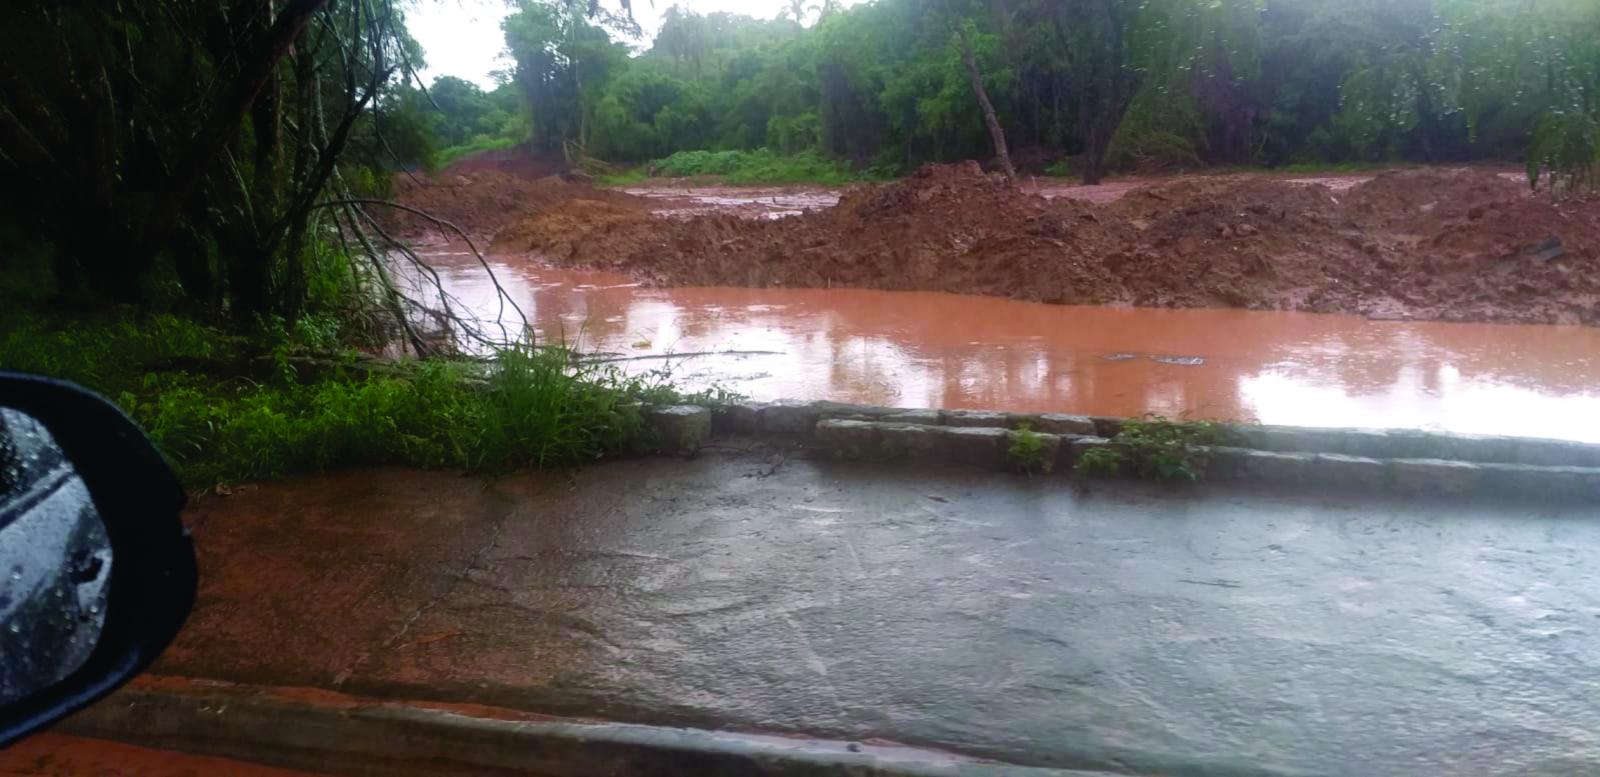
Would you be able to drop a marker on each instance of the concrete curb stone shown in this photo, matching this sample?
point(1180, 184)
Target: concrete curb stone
point(679, 429)
point(1401, 461)
point(332, 733)
point(975, 419)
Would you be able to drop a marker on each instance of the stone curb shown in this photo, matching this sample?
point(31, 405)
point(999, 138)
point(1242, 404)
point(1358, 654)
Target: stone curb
point(801, 418)
point(333, 733)
point(1397, 461)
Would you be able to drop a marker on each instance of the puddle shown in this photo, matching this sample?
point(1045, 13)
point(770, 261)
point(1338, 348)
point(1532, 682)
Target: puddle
point(934, 350)
point(746, 202)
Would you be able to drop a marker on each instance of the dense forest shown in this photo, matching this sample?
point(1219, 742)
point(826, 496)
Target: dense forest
point(1078, 86)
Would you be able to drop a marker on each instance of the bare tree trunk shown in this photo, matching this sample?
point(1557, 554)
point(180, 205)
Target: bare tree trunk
point(996, 133)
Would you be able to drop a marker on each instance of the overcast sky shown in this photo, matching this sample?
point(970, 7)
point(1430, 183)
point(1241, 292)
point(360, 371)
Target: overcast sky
point(462, 37)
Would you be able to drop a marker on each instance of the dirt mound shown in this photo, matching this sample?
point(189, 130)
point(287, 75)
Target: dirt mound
point(1518, 258)
point(1421, 200)
point(560, 232)
point(482, 202)
point(1483, 251)
point(1237, 242)
point(945, 228)
point(928, 188)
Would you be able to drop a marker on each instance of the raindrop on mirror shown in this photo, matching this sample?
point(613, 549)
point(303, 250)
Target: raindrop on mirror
point(53, 601)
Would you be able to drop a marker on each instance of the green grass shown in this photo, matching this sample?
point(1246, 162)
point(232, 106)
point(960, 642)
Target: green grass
point(228, 408)
point(1029, 453)
point(630, 177)
point(1157, 449)
point(451, 155)
point(758, 167)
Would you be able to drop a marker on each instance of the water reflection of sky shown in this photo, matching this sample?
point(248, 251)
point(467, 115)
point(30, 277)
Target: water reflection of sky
point(915, 349)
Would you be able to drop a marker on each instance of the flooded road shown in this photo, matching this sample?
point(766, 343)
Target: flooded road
point(1135, 629)
point(934, 350)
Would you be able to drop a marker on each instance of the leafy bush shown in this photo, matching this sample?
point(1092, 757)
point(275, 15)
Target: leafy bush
point(1156, 449)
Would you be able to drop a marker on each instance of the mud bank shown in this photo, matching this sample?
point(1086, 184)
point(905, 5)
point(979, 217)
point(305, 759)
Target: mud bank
point(1454, 245)
point(483, 199)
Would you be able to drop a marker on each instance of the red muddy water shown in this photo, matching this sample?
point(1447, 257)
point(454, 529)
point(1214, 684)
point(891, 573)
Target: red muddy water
point(936, 350)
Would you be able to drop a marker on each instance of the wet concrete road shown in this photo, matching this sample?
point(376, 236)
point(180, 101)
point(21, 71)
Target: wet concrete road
point(54, 755)
point(1129, 630)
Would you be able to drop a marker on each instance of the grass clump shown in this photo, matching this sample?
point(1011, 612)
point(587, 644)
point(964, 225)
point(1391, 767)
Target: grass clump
point(1029, 453)
point(228, 408)
point(1156, 448)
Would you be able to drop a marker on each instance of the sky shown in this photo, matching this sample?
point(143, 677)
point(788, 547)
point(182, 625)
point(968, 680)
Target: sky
point(462, 37)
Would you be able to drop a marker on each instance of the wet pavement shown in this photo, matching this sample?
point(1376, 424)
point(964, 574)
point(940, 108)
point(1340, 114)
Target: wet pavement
point(55, 755)
point(935, 350)
point(1129, 629)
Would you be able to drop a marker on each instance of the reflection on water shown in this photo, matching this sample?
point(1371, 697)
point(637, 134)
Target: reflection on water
point(924, 349)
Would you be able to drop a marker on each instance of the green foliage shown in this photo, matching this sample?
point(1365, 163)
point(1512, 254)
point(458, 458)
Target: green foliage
point(1147, 84)
point(449, 156)
point(761, 166)
point(195, 143)
point(628, 177)
point(225, 408)
point(1029, 453)
point(1566, 153)
point(461, 114)
point(1156, 449)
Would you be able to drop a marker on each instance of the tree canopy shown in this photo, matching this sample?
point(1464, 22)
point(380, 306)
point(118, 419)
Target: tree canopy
point(1087, 85)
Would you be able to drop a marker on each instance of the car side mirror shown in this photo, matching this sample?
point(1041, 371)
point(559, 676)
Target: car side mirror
point(97, 573)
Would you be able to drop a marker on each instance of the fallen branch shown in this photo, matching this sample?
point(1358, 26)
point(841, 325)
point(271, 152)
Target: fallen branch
point(502, 298)
point(612, 359)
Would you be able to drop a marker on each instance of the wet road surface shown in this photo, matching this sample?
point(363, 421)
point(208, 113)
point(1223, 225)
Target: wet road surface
point(1128, 629)
point(927, 349)
point(55, 755)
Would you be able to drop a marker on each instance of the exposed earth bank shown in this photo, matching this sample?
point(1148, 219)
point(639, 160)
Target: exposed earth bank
point(1458, 245)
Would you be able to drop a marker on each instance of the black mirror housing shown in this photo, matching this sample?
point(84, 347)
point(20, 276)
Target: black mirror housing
point(152, 581)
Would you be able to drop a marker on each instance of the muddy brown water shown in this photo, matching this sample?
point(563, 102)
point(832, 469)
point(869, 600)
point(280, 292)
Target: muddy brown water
point(935, 350)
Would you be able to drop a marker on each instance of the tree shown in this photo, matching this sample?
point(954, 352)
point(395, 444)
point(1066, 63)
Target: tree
point(564, 62)
point(996, 133)
point(191, 137)
point(1110, 84)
